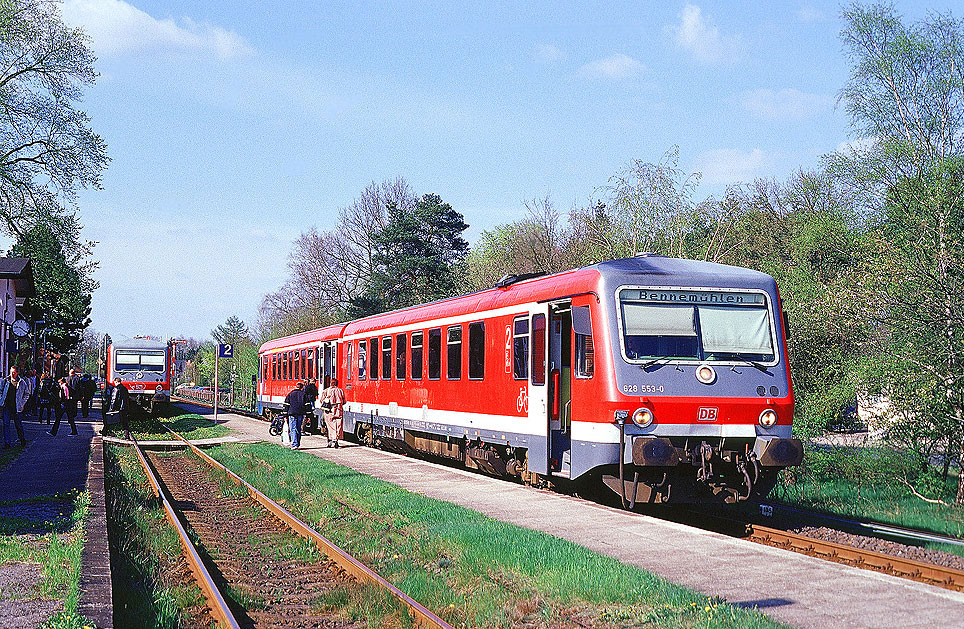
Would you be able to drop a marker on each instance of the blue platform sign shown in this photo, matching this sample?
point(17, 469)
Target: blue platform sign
point(225, 350)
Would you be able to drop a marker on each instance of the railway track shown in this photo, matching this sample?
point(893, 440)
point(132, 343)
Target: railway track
point(252, 571)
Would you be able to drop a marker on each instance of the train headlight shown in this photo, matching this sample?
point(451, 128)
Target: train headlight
point(706, 374)
point(158, 388)
point(768, 418)
point(643, 417)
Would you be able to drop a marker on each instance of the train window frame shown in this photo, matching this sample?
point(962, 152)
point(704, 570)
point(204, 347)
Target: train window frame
point(284, 366)
point(274, 366)
point(453, 352)
point(374, 356)
point(419, 361)
point(387, 357)
point(538, 348)
point(761, 301)
point(299, 363)
point(348, 357)
point(362, 359)
point(401, 355)
point(477, 350)
point(435, 354)
point(520, 347)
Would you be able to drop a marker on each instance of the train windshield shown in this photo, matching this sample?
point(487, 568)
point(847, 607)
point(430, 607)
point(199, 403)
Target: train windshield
point(139, 361)
point(695, 325)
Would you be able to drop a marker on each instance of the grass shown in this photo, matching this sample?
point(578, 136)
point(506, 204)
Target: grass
point(189, 425)
point(470, 569)
point(865, 483)
point(56, 545)
point(145, 551)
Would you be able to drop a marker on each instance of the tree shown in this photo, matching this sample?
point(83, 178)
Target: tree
point(906, 91)
point(63, 292)
point(417, 257)
point(232, 331)
point(47, 149)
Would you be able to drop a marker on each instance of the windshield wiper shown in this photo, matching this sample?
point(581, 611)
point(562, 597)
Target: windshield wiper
point(752, 363)
point(650, 363)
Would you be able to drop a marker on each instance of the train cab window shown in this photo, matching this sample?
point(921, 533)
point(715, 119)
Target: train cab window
point(386, 358)
point(435, 354)
point(349, 368)
point(453, 357)
point(373, 351)
point(416, 355)
point(476, 350)
point(538, 340)
point(520, 349)
point(401, 356)
point(362, 358)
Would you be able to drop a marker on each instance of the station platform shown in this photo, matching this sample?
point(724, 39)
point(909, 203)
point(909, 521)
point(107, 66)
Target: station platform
point(39, 486)
point(791, 588)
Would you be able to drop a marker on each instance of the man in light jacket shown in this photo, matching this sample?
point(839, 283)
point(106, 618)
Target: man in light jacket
point(14, 393)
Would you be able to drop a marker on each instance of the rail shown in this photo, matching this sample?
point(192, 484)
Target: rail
point(948, 578)
point(423, 617)
point(215, 600)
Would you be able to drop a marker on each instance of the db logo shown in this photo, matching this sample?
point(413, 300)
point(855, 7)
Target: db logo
point(140, 387)
point(708, 413)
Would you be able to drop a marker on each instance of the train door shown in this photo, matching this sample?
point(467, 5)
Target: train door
point(328, 364)
point(560, 388)
point(536, 395)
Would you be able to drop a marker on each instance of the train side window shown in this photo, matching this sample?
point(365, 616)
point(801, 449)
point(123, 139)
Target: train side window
point(401, 356)
point(348, 366)
point(520, 348)
point(310, 363)
point(585, 352)
point(386, 358)
point(362, 358)
point(453, 357)
point(417, 355)
point(284, 366)
point(274, 366)
point(476, 350)
point(435, 354)
point(299, 363)
point(373, 349)
point(538, 349)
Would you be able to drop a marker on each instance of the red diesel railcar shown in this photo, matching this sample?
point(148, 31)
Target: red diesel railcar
point(664, 379)
point(145, 366)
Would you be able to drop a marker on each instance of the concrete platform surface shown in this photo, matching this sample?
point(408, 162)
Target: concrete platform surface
point(789, 587)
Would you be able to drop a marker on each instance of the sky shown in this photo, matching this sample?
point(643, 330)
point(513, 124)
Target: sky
point(235, 125)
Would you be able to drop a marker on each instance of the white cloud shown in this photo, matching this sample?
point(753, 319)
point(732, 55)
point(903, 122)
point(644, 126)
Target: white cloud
point(618, 66)
point(696, 35)
point(859, 145)
point(809, 14)
point(547, 53)
point(116, 27)
point(729, 166)
point(787, 104)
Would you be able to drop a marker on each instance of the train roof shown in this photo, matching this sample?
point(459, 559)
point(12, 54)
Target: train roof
point(321, 334)
point(642, 269)
point(139, 344)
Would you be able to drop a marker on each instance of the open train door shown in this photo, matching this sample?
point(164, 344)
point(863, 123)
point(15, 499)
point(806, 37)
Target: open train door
point(560, 388)
point(535, 396)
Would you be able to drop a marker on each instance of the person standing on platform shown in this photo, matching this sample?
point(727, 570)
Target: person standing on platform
point(46, 394)
point(88, 389)
point(119, 406)
point(62, 405)
point(311, 394)
point(76, 388)
point(296, 413)
point(334, 403)
point(14, 392)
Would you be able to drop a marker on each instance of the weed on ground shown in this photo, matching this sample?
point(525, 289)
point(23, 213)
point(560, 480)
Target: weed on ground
point(188, 425)
point(470, 569)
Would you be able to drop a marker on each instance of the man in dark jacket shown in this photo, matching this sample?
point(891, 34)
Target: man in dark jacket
point(311, 394)
point(119, 406)
point(75, 384)
point(88, 389)
point(296, 413)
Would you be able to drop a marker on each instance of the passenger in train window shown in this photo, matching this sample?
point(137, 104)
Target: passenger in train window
point(333, 404)
point(296, 413)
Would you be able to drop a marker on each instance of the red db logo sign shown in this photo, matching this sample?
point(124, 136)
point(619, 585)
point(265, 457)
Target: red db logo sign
point(708, 413)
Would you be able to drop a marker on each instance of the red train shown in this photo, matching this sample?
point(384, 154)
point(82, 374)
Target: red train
point(145, 367)
point(664, 379)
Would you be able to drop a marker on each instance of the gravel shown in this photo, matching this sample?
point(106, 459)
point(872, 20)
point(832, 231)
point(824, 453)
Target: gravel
point(886, 547)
